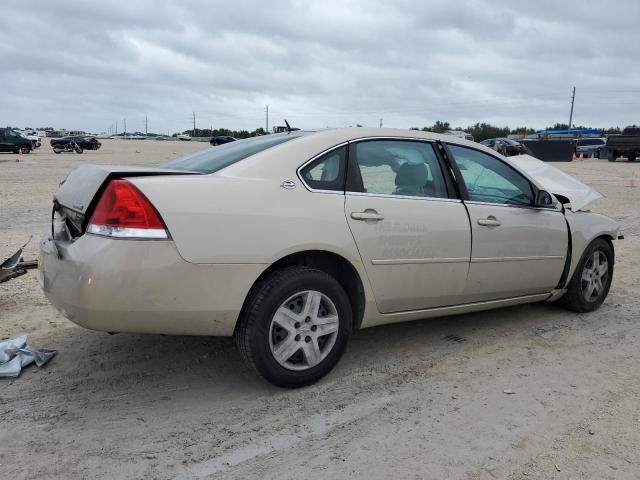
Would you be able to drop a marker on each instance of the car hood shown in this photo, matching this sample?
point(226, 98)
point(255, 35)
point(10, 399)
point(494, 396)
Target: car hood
point(556, 181)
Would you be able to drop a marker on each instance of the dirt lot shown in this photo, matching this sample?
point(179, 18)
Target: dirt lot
point(418, 400)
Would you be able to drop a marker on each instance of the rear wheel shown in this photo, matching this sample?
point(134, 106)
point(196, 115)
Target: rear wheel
point(611, 156)
point(56, 150)
point(23, 149)
point(78, 149)
point(591, 281)
point(295, 326)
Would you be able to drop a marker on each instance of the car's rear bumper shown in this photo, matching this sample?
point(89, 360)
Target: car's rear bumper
point(142, 286)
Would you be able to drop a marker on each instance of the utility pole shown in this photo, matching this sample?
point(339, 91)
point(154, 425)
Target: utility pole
point(146, 130)
point(194, 124)
point(116, 127)
point(125, 126)
point(267, 123)
point(381, 123)
point(573, 99)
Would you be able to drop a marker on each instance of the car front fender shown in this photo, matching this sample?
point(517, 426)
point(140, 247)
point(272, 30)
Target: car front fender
point(586, 227)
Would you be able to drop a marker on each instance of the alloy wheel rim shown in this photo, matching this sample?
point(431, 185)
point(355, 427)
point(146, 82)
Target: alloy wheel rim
point(303, 330)
point(594, 276)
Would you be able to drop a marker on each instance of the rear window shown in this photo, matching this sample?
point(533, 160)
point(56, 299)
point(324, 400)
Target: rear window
point(217, 158)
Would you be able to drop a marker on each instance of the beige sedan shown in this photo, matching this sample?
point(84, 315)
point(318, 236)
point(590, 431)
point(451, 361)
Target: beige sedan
point(290, 242)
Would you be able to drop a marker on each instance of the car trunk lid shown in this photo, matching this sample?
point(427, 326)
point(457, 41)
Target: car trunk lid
point(78, 193)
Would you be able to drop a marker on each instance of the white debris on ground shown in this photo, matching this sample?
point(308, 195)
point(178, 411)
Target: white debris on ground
point(16, 354)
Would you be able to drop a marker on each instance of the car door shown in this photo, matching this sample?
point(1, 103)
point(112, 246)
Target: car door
point(413, 237)
point(518, 249)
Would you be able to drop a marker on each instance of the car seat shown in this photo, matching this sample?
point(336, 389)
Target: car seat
point(413, 180)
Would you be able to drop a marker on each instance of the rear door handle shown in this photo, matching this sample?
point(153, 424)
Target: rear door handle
point(490, 221)
point(367, 215)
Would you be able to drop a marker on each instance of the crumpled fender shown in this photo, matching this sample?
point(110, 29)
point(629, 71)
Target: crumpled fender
point(586, 227)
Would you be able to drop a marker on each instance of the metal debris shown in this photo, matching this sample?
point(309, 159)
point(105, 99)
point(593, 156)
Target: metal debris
point(15, 266)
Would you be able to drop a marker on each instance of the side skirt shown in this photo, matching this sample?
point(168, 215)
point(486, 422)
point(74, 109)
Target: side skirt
point(382, 319)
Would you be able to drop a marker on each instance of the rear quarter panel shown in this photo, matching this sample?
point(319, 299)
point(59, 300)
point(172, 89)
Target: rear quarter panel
point(216, 219)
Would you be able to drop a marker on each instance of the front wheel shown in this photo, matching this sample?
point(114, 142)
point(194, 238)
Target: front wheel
point(591, 281)
point(78, 149)
point(295, 326)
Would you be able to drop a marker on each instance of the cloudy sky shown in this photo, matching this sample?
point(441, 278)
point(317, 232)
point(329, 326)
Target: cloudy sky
point(85, 65)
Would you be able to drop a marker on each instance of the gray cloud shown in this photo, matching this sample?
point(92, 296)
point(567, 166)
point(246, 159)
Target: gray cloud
point(85, 65)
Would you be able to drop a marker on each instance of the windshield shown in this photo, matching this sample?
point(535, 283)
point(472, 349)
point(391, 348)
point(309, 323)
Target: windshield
point(217, 158)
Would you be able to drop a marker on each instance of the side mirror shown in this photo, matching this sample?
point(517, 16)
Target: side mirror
point(544, 199)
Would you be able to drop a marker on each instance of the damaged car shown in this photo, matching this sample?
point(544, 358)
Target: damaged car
point(290, 242)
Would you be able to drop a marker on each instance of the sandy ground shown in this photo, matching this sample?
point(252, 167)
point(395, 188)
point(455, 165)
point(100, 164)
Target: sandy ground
point(406, 401)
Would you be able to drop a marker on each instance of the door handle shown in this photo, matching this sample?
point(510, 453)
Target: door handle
point(490, 221)
point(367, 215)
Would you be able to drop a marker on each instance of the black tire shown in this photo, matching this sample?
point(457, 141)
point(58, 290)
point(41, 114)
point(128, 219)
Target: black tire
point(56, 150)
point(611, 156)
point(253, 332)
point(78, 149)
point(23, 149)
point(575, 299)
point(631, 157)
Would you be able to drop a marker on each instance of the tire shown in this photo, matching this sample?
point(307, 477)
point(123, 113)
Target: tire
point(261, 331)
point(56, 150)
point(611, 156)
point(78, 149)
point(631, 157)
point(23, 149)
point(577, 297)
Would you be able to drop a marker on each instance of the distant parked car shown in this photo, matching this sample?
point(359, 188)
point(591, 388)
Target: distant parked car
point(221, 140)
point(86, 143)
point(590, 146)
point(31, 135)
point(625, 145)
point(11, 141)
point(505, 146)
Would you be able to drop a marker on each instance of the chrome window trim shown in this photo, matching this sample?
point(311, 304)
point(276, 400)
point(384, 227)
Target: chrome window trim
point(313, 159)
point(405, 197)
point(530, 207)
point(383, 137)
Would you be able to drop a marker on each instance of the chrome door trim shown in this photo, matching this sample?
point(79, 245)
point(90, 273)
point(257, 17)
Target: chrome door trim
point(417, 261)
point(406, 197)
point(516, 259)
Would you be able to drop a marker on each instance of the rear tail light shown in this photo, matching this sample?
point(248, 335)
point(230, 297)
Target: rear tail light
point(124, 212)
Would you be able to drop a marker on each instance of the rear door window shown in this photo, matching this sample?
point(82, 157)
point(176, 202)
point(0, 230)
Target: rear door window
point(399, 167)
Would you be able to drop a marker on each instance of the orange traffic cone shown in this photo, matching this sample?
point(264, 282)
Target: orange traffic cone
point(632, 181)
point(581, 156)
point(573, 157)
